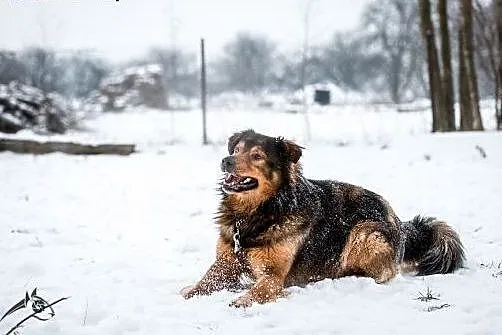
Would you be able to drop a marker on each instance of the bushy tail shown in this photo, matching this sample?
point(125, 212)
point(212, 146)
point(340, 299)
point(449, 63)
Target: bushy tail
point(431, 247)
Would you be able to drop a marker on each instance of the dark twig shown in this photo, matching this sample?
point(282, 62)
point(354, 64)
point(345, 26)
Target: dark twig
point(482, 151)
point(84, 321)
point(32, 315)
point(435, 308)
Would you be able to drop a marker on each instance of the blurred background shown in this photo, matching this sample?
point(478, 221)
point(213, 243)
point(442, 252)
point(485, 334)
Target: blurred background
point(354, 64)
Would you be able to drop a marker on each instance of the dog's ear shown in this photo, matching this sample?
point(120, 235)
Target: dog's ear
point(292, 150)
point(235, 139)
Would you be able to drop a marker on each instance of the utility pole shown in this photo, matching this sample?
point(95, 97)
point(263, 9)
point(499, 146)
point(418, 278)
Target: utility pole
point(203, 90)
point(303, 72)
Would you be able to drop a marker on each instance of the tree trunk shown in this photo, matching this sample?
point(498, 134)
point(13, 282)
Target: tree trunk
point(498, 80)
point(463, 88)
point(447, 77)
point(395, 78)
point(470, 117)
point(486, 45)
point(435, 87)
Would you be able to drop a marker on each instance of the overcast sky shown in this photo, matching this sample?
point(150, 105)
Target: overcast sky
point(123, 29)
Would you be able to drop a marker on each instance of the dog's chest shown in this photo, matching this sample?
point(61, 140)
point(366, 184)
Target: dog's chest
point(276, 256)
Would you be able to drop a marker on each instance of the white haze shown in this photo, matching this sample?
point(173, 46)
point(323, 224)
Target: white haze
point(125, 28)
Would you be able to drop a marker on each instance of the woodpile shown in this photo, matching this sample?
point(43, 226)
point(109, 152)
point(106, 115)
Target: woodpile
point(23, 106)
point(134, 86)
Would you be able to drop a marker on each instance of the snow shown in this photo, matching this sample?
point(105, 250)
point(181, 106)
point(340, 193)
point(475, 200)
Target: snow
point(337, 94)
point(122, 235)
point(151, 129)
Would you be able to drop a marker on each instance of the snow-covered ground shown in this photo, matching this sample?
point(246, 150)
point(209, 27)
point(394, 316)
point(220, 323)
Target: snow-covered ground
point(122, 235)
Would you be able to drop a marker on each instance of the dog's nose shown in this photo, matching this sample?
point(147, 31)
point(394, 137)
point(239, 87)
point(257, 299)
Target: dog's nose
point(228, 164)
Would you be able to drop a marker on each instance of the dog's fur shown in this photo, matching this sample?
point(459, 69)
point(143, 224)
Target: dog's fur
point(294, 230)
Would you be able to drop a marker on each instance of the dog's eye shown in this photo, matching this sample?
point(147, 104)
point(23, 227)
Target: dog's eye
point(256, 156)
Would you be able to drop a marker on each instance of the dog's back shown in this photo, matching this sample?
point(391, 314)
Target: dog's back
point(351, 225)
point(332, 210)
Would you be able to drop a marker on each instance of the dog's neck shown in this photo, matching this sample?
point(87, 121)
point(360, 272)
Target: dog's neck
point(289, 202)
point(287, 199)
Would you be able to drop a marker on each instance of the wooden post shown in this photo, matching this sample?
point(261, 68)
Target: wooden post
point(303, 73)
point(203, 90)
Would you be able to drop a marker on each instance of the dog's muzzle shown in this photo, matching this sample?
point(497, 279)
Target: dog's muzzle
point(228, 164)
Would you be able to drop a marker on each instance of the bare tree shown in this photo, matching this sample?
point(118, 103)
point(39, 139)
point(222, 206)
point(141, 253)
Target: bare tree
point(392, 31)
point(470, 116)
point(11, 68)
point(286, 75)
point(180, 73)
point(43, 68)
point(486, 47)
point(498, 95)
point(247, 63)
point(435, 86)
point(463, 88)
point(447, 74)
point(485, 37)
point(345, 60)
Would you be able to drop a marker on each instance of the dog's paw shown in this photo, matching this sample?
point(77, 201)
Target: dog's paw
point(244, 301)
point(189, 291)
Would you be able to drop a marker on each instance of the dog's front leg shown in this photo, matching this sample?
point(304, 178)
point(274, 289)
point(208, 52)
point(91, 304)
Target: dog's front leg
point(268, 288)
point(223, 274)
point(270, 266)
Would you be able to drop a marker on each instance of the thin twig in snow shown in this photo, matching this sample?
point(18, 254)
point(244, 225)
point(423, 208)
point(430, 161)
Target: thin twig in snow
point(481, 151)
point(84, 321)
point(435, 308)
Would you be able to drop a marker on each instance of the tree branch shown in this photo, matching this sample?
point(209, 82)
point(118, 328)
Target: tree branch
point(34, 314)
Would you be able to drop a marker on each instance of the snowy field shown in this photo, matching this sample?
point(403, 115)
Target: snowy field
point(122, 235)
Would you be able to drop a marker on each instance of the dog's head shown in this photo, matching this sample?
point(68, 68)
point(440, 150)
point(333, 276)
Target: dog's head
point(258, 165)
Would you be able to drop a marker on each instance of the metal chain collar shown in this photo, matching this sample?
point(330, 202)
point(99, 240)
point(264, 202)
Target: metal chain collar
point(237, 236)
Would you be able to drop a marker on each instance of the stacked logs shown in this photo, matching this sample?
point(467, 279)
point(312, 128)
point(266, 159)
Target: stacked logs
point(135, 86)
point(23, 106)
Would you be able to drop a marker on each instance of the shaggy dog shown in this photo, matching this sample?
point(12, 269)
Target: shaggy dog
point(281, 229)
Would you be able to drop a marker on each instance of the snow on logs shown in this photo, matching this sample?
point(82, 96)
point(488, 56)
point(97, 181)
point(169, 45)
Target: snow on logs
point(134, 86)
point(23, 106)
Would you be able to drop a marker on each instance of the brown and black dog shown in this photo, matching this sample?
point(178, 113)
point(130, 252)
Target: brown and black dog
point(280, 229)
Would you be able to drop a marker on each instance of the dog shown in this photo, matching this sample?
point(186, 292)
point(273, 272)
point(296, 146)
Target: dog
point(280, 229)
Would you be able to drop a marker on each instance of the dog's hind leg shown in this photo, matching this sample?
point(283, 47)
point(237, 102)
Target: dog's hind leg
point(368, 253)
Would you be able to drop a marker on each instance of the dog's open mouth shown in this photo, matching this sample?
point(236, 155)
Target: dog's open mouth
point(233, 183)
